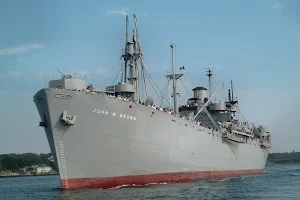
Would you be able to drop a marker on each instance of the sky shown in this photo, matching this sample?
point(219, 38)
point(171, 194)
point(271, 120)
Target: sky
point(253, 43)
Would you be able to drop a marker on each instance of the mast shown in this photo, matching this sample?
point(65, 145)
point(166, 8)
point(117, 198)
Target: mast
point(132, 65)
point(136, 56)
point(126, 41)
point(140, 54)
point(132, 54)
point(174, 82)
point(126, 54)
point(231, 91)
point(209, 80)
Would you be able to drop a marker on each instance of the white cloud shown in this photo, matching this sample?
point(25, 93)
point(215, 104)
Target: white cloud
point(144, 13)
point(20, 49)
point(277, 5)
point(123, 11)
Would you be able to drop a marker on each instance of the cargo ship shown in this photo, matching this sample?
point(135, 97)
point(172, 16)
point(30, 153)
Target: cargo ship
point(120, 136)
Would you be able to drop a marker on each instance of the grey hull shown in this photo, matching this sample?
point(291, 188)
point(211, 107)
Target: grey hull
point(116, 138)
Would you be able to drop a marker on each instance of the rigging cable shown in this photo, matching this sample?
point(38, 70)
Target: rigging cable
point(186, 90)
point(122, 73)
point(165, 91)
point(153, 82)
point(143, 97)
point(153, 88)
point(242, 115)
point(118, 72)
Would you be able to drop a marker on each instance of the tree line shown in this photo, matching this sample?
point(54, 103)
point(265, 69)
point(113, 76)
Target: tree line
point(284, 158)
point(14, 161)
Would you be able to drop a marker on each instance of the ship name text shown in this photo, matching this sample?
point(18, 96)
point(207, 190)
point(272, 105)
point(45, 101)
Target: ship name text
point(114, 114)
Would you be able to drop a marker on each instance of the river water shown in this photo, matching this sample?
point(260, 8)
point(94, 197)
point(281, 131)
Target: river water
point(277, 182)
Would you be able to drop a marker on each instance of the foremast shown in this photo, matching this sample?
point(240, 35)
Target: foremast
point(130, 83)
point(174, 82)
point(131, 55)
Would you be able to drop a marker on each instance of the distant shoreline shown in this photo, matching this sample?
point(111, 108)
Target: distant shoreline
point(283, 158)
point(28, 175)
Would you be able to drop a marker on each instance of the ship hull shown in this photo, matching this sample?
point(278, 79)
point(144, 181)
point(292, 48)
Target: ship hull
point(115, 142)
point(141, 180)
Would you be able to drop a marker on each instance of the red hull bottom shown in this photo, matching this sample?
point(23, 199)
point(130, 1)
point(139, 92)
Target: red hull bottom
point(178, 177)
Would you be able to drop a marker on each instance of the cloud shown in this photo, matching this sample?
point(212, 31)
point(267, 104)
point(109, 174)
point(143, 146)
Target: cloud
point(20, 49)
point(123, 11)
point(144, 13)
point(277, 5)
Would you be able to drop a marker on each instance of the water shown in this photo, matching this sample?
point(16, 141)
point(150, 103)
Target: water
point(277, 182)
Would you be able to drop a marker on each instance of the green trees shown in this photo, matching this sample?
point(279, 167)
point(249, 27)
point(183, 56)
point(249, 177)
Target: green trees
point(1, 166)
point(282, 158)
point(17, 161)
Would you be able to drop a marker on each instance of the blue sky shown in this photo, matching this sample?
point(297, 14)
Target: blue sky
point(255, 43)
